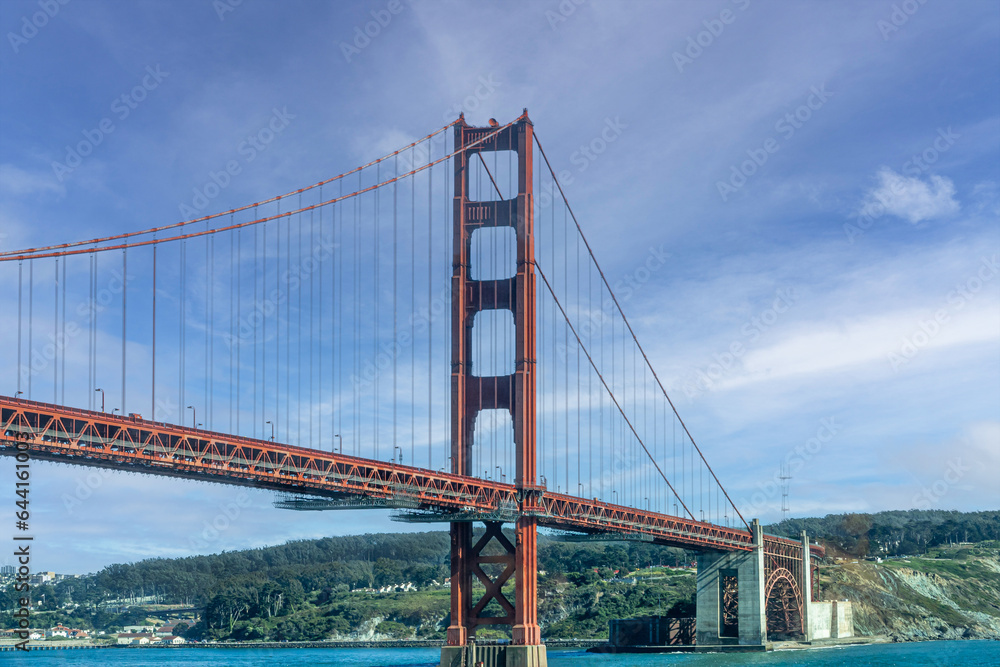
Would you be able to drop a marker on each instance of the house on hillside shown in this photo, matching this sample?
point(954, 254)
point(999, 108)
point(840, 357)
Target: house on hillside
point(135, 629)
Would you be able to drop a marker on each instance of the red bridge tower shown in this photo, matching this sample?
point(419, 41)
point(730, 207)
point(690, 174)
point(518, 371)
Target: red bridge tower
point(515, 392)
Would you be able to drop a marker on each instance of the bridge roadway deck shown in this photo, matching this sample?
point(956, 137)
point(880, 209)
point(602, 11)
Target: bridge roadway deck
point(83, 437)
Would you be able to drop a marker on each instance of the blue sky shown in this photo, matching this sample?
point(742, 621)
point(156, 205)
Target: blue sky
point(840, 156)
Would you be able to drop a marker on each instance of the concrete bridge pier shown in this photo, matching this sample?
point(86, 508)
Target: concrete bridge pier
point(730, 605)
point(507, 655)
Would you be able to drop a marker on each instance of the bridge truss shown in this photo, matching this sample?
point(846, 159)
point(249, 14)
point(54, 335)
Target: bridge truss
point(313, 317)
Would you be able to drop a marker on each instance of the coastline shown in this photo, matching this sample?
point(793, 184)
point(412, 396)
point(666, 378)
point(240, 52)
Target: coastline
point(595, 646)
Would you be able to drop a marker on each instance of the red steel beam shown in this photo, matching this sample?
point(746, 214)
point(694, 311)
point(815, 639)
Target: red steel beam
point(83, 437)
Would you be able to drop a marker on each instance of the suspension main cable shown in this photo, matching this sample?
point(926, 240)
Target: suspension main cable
point(39, 253)
point(213, 216)
point(627, 324)
point(610, 392)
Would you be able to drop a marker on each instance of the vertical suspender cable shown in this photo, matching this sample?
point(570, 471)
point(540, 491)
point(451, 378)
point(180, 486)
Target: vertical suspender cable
point(376, 294)
point(254, 323)
point(20, 281)
point(298, 330)
point(233, 330)
point(319, 337)
point(566, 346)
point(340, 319)
point(590, 388)
point(395, 272)
point(62, 372)
point(124, 318)
point(356, 351)
point(211, 329)
point(413, 312)
point(277, 323)
point(447, 252)
point(152, 403)
point(208, 297)
point(55, 334)
point(579, 425)
point(312, 333)
point(261, 311)
point(239, 322)
point(288, 332)
point(31, 319)
point(182, 304)
point(430, 307)
point(91, 331)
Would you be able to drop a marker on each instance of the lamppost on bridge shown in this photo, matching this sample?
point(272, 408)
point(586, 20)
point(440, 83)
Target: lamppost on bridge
point(18, 394)
point(501, 476)
point(614, 496)
point(102, 398)
point(341, 441)
point(400, 454)
point(272, 429)
point(113, 411)
point(194, 416)
point(646, 498)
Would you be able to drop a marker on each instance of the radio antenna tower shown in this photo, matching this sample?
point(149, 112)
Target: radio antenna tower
point(784, 476)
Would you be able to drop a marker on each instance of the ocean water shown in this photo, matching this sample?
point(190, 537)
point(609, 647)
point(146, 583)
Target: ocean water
point(935, 654)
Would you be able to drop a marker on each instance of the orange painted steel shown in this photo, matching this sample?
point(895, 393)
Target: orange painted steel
point(42, 253)
point(246, 207)
point(83, 437)
point(515, 392)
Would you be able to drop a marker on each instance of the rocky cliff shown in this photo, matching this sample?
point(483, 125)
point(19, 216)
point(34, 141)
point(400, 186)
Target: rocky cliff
point(955, 595)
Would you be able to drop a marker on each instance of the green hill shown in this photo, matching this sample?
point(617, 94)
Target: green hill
point(395, 585)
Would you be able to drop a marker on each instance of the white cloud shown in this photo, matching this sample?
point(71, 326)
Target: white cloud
point(910, 197)
point(824, 349)
point(17, 181)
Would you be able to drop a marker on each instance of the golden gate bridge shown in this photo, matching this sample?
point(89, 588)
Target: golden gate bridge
point(429, 333)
